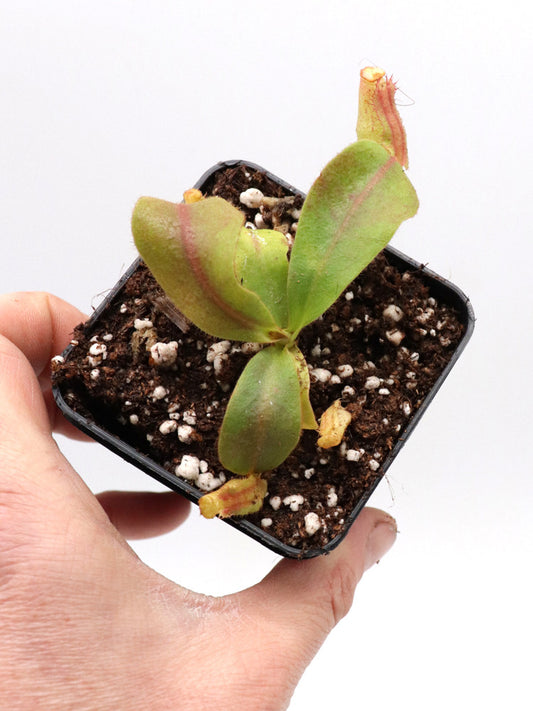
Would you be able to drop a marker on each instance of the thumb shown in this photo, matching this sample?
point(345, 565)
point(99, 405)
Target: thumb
point(299, 602)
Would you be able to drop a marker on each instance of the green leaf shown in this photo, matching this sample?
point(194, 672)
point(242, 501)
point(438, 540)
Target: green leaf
point(262, 265)
point(261, 426)
point(190, 250)
point(349, 215)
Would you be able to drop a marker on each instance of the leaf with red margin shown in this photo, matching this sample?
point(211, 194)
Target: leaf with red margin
point(190, 250)
point(351, 212)
point(262, 423)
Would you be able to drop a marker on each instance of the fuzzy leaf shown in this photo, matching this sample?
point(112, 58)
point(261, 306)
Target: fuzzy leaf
point(350, 214)
point(237, 497)
point(261, 426)
point(190, 250)
point(261, 262)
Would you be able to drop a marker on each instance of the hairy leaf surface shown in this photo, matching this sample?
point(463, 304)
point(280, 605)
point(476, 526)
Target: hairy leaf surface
point(262, 421)
point(262, 265)
point(190, 250)
point(350, 214)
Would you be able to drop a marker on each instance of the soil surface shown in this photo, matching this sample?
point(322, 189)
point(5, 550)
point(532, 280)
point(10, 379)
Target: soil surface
point(145, 374)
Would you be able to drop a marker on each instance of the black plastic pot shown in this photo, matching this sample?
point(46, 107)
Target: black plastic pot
point(439, 287)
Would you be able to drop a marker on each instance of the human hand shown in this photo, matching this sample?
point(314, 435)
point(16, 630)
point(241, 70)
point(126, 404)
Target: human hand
point(84, 624)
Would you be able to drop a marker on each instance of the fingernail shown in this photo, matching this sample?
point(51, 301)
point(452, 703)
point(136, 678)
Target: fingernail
point(379, 540)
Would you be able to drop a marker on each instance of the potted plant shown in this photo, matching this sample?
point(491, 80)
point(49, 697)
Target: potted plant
point(268, 358)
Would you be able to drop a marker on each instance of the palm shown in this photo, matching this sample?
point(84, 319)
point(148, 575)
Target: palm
point(84, 623)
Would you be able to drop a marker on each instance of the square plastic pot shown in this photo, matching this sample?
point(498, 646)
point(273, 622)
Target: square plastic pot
point(439, 287)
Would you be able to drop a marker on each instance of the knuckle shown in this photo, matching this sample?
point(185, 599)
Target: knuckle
point(342, 582)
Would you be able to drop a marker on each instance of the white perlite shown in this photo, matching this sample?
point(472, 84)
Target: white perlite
point(293, 501)
point(142, 324)
point(393, 313)
point(332, 497)
point(218, 363)
point(134, 419)
point(98, 349)
point(189, 417)
point(308, 473)
point(312, 523)
point(97, 353)
point(207, 481)
point(168, 426)
point(266, 522)
point(250, 348)
point(58, 360)
point(373, 465)
point(185, 433)
point(252, 197)
point(372, 382)
point(159, 392)
point(354, 455)
point(188, 468)
point(345, 370)
point(164, 354)
point(275, 502)
point(217, 349)
point(321, 375)
point(395, 336)
point(425, 316)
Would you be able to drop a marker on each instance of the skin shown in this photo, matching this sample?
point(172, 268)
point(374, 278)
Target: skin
point(85, 624)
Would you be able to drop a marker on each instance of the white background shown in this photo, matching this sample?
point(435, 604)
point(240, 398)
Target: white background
point(104, 101)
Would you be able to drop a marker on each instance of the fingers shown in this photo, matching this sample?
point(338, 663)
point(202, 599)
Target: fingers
point(32, 470)
point(299, 602)
point(29, 334)
point(40, 326)
point(23, 413)
point(142, 514)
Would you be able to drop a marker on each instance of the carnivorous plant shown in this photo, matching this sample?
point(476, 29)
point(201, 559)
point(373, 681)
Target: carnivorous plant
point(240, 284)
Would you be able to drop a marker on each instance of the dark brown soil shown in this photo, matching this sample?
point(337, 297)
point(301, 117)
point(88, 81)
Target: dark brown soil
point(381, 369)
